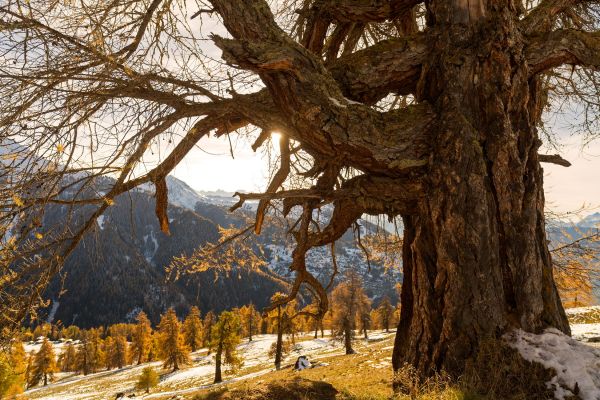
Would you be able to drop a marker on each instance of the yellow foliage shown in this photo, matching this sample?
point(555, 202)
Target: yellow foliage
point(18, 201)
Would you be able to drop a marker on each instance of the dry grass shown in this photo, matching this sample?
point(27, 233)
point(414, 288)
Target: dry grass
point(297, 389)
point(500, 372)
point(497, 373)
point(362, 376)
point(589, 317)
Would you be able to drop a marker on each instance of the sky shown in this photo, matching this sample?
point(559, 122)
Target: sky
point(210, 167)
point(567, 189)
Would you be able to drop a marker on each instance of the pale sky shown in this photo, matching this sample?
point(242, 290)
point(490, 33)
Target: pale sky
point(567, 189)
point(210, 167)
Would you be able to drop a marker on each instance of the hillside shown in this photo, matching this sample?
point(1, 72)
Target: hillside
point(119, 267)
point(189, 381)
point(365, 375)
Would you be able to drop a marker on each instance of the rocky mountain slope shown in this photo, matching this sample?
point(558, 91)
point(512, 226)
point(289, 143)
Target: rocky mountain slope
point(119, 268)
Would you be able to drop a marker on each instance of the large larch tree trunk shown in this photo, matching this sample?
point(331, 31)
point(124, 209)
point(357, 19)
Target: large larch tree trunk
point(475, 258)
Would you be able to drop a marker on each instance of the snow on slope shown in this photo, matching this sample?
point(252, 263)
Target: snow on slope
point(585, 332)
point(181, 194)
point(105, 384)
point(53, 310)
point(581, 310)
point(577, 365)
point(591, 221)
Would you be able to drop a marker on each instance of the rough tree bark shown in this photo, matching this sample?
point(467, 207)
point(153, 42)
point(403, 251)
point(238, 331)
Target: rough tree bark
point(475, 258)
point(218, 357)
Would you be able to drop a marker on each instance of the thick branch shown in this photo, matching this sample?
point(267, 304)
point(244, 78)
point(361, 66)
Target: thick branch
point(345, 12)
point(564, 46)
point(554, 159)
point(390, 66)
point(381, 143)
point(311, 101)
point(543, 16)
point(363, 10)
point(278, 180)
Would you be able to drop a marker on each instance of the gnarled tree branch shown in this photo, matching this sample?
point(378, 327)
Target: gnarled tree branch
point(564, 46)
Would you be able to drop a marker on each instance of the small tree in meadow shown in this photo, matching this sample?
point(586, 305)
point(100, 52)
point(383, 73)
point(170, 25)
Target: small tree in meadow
point(224, 341)
point(44, 364)
point(148, 379)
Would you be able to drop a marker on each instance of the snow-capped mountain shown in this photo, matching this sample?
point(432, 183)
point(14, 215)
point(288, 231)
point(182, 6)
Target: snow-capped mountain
point(181, 194)
point(591, 221)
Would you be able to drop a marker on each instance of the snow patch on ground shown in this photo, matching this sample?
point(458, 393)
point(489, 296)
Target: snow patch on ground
point(575, 363)
point(194, 372)
point(581, 310)
point(585, 332)
point(149, 253)
point(53, 310)
point(100, 221)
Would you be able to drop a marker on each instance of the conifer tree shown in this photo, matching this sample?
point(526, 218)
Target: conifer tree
point(29, 369)
point(18, 361)
point(148, 379)
point(293, 323)
point(209, 321)
point(364, 314)
point(154, 352)
point(42, 331)
point(117, 350)
point(7, 375)
point(121, 355)
point(347, 299)
point(108, 347)
point(192, 329)
point(71, 332)
point(141, 338)
point(44, 364)
point(224, 340)
point(68, 359)
point(250, 320)
point(281, 321)
point(264, 324)
point(97, 348)
point(385, 312)
point(375, 323)
point(84, 356)
point(173, 348)
point(13, 367)
point(91, 356)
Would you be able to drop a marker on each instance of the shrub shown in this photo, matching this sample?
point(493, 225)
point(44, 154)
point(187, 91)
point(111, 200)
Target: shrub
point(148, 379)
